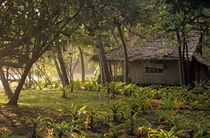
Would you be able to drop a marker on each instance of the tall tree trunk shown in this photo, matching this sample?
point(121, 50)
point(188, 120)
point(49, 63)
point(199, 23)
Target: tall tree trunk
point(110, 70)
point(187, 59)
point(103, 62)
point(14, 99)
point(102, 80)
point(180, 60)
point(63, 67)
point(5, 84)
point(82, 63)
point(126, 69)
point(57, 67)
point(30, 80)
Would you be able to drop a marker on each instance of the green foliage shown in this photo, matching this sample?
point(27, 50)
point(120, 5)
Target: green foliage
point(115, 110)
point(116, 88)
point(75, 112)
point(167, 117)
point(36, 123)
point(195, 124)
point(65, 129)
point(159, 132)
point(202, 88)
point(91, 114)
point(115, 130)
point(91, 86)
point(77, 84)
point(169, 102)
point(179, 111)
point(65, 90)
point(139, 104)
point(130, 89)
point(148, 91)
point(132, 122)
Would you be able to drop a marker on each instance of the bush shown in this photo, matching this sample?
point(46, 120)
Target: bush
point(130, 89)
point(116, 88)
point(90, 86)
point(77, 84)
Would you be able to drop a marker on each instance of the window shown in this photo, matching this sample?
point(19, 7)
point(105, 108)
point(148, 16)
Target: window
point(153, 70)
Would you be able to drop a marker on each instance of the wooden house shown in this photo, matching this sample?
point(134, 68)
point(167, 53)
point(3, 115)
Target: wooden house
point(156, 62)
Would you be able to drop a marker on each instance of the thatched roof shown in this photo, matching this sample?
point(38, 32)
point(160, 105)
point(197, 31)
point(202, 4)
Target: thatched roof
point(199, 58)
point(158, 50)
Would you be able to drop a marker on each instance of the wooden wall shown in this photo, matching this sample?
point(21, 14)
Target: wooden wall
point(169, 76)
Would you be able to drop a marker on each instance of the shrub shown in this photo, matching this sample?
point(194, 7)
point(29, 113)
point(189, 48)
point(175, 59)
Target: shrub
point(37, 124)
point(91, 86)
point(130, 89)
point(65, 129)
point(160, 132)
point(75, 112)
point(139, 104)
point(116, 88)
point(77, 84)
point(115, 110)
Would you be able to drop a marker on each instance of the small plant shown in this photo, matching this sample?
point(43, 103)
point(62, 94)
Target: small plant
point(65, 90)
point(159, 132)
point(91, 113)
point(139, 104)
point(77, 84)
point(37, 124)
point(90, 85)
point(171, 103)
point(75, 112)
point(163, 133)
point(149, 92)
point(116, 112)
point(130, 89)
point(195, 124)
point(65, 129)
point(115, 88)
point(132, 122)
point(167, 117)
point(115, 130)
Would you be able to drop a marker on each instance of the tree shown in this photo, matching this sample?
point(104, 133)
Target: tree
point(183, 17)
point(5, 83)
point(28, 29)
point(82, 63)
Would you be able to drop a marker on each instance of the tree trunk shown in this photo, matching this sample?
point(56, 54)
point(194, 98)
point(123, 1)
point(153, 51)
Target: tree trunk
point(102, 80)
point(5, 84)
point(14, 99)
point(180, 60)
point(82, 64)
point(187, 59)
point(110, 70)
point(57, 68)
point(63, 67)
point(30, 80)
point(103, 62)
point(126, 69)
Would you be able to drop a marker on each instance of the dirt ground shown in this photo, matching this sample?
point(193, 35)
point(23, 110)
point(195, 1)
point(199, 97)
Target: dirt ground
point(12, 118)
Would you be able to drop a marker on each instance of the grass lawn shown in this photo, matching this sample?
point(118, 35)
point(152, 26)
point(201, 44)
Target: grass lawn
point(52, 98)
